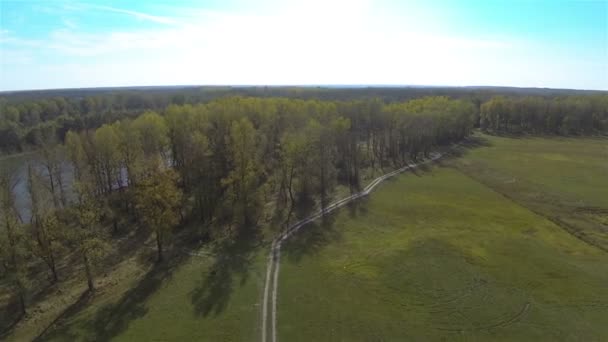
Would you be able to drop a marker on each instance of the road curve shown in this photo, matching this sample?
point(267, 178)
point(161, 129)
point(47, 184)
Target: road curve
point(274, 258)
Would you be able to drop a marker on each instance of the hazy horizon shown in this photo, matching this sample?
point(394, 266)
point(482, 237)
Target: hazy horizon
point(335, 86)
point(97, 44)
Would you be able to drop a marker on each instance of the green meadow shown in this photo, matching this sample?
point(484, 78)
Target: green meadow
point(444, 254)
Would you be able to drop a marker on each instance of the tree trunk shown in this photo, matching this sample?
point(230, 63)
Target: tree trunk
point(52, 184)
point(159, 247)
point(53, 267)
point(108, 171)
point(62, 195)
point(355, 166)
point(199, 205)
point(323, 190)
point(87, 269)
point(22, 300)
point(289, 187)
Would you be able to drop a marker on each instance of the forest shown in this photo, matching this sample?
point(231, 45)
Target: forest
point(153, 166)
point(221, 161)
point(571, 115)
point(26, 116)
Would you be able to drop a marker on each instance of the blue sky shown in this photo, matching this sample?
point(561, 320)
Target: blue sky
point(534, 43)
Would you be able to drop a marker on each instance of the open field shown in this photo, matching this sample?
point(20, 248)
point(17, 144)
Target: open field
point(564, 179)
point(440, 255)
point(200, 297)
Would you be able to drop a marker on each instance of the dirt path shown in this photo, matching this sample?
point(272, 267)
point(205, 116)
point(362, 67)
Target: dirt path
point(274, 259)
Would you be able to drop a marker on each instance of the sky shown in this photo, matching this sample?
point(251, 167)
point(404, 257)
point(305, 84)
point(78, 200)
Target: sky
point(47, 44)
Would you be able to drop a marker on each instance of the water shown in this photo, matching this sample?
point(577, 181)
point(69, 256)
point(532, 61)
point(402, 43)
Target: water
point(18, 166)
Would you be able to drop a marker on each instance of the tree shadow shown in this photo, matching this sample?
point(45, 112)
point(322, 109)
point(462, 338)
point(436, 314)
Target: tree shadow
point(9, 319)
point(421, 169)
point(358, 207)
point(231, 268)
point(128, 246)
point(81, 303)
point(304, 206)
point(463, 148)
point(112, 319)
point(279, 215)
point(67, 268)
point(475, 141)
point(40, 287)
point(313, 237)
point(510, 135)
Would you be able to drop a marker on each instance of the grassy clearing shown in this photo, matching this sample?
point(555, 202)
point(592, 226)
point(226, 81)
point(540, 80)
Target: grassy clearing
point(564, 179)
point(189, 298)
point(208, 299)
point(214, 296)
point(440, 256)
point(575, 169)
point(48, 302)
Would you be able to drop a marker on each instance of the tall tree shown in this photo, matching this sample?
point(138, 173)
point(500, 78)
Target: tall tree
point(153, 132)
point(87, 236)
point(130, 149)
point(200, 174)
point(77, 156)
point(157, 199)
point(322, 159)
point(52, 160)
point(107, 143)
point(12, 242)
point(243, 180)
point(47, 233)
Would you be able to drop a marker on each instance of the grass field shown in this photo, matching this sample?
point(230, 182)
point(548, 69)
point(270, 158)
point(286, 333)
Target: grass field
point(442, 256)
point(564, 179)
point(574, 168)
point(201, 298)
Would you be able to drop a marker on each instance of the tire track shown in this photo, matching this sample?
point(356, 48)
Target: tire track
point(274, 258)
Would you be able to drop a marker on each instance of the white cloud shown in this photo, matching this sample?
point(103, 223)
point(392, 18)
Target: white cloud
point(138, 15)
point(311, 43)
point(70, 24)
point(4, 34)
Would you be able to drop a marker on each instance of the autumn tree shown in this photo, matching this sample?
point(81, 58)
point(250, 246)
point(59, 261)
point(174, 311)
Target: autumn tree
point(77, 155)
point(200, 173)
point(322, 159)
point(243, 180)
point(47, 232)
point(153, 132)
point(157, 199)
point(88, 237)
point(293, 154)
point(106, 143)
point(52, 160)
point(13, 250)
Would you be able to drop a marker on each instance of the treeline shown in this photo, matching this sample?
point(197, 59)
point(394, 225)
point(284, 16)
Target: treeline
point(230, 149)
point(222, 162)
point(26, 116)
point(25, 123)
point(568, 115)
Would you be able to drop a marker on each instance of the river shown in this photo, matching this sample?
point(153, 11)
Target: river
point(17, 164)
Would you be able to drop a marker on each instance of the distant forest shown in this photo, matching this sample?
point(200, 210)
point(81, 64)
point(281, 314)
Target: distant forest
point(26, 117)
